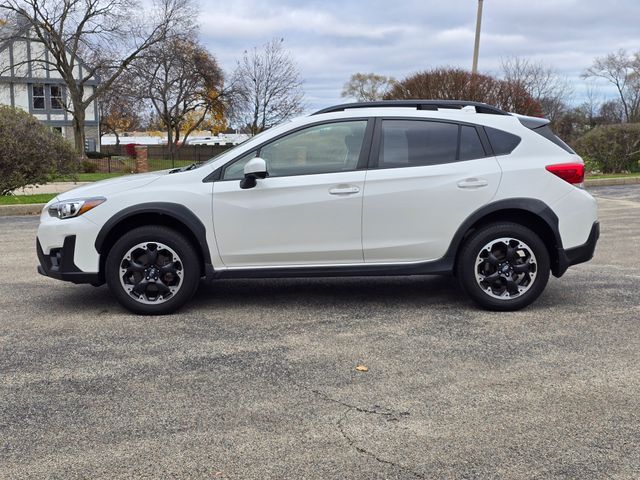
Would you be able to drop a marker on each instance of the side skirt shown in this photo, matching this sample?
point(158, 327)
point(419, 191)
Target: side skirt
point(443, 266)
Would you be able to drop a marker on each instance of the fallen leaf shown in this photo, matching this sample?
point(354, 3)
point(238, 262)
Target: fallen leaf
point(362, 368)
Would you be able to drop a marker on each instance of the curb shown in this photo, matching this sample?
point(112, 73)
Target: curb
point(23, 209)
point(36, 208)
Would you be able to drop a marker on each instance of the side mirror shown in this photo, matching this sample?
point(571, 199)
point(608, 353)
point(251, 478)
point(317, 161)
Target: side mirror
point(253, 169)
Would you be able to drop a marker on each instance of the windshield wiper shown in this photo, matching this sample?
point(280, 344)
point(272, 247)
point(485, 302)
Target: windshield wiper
point(184, 169)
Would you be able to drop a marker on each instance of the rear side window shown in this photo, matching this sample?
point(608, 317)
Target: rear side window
point(552, 137)
point(470, 144)
point(416, 143)
point(503, 143)
point(407, 143)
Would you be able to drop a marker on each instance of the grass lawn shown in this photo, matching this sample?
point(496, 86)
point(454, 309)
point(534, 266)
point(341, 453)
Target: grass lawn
point(88, 177)
point(94, 177)
point(160, 164)
point(612, 175)
point(154, 165)
point(25, 199)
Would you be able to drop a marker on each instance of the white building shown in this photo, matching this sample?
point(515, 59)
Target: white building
point(220, 139)
point(199, 139)
point(29, 83)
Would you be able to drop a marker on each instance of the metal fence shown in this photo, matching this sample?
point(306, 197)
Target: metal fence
point(117, 158)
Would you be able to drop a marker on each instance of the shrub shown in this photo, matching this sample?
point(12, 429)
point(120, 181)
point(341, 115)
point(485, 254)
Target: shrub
point(30, 153)
point(97, 155)
point(89, 167)
point(611, 148)
point(458, 84)
point(130, 149)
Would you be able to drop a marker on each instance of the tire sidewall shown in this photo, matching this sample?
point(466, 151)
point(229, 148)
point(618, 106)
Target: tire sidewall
point(466, 266)
point(163, 235)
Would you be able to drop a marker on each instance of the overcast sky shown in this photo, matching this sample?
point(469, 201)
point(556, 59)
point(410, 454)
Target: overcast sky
point(332, 39)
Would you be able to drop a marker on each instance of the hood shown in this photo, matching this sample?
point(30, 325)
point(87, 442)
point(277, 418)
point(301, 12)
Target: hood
point(104, 188)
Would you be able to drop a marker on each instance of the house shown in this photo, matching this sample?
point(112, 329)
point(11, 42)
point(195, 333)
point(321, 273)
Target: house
point(27, 81)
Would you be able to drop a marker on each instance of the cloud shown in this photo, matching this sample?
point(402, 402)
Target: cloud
point(332, 39)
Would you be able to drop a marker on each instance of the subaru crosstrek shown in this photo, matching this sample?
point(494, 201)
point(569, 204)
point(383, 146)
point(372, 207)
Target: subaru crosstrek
point(380, 188)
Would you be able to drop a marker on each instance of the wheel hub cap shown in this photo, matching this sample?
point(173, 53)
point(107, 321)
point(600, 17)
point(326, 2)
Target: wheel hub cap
point(151, 273)
point(506, 268)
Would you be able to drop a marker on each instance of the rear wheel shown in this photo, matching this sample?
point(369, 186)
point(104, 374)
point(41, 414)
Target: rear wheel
point(152, 270)
point(503, 266)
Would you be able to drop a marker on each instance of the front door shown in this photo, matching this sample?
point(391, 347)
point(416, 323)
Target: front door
point(308, 210)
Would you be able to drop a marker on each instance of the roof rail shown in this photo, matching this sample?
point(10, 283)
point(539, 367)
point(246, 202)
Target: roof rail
point(418, 105)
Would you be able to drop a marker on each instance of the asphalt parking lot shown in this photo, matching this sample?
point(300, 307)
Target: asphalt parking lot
point(256, 379)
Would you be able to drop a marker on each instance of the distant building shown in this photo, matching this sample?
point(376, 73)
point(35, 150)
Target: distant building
point(29, 83)
point(136, 138)
point(220, 139)
point(199, 139)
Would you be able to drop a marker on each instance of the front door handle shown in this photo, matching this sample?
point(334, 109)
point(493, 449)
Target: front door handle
point(473, 183)
point(344, 190)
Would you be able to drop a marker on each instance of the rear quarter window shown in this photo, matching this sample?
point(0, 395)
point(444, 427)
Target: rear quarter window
point(547, 133)
point(503, 143)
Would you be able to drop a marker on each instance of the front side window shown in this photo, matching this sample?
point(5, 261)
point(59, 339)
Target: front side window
point(326, 148)
point(38, 97)
point(235, 170)
point(56, 97)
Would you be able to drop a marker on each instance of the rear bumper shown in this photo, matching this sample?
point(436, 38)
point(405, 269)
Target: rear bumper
point(59, 264)
point(580, 254)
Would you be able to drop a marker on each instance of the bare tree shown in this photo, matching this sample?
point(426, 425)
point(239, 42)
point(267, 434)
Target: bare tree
point(543, 83)
point(183, 83)
point(591, 103)
point(610, 112)
point(121, 110)
point(267, 86)
point(367, 87)
point(622, 71)
point(104, 35)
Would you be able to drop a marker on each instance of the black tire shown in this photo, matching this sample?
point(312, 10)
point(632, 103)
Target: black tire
point(471, 263)
point(185, 282)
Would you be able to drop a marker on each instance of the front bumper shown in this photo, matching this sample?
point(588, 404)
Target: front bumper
point(59, 264)
point(580, 254)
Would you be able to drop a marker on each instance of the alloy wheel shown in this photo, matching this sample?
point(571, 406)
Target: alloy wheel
point(506, 268)
point(151, 272)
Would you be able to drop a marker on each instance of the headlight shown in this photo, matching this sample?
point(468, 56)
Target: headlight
point(74, 208)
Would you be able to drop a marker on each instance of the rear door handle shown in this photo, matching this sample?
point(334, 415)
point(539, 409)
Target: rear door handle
point(473, 183)
point(344, 190)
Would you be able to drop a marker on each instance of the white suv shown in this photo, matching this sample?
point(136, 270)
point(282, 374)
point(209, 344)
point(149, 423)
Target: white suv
point(381, 188)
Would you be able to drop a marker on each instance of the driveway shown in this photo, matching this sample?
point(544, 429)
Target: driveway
point(257, 379)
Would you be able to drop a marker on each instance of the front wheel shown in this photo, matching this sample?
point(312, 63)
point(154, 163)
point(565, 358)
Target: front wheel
point(503, 266)
point(152, 270)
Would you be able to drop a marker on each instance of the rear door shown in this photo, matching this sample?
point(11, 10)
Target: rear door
point(426, 178)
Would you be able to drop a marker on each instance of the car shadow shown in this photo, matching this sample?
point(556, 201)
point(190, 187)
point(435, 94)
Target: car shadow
point(364, 293)
point(414, 290)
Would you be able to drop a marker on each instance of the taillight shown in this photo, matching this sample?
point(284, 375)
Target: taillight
point(569, 172)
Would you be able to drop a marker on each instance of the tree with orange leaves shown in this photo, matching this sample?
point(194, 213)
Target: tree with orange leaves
point(184, 84)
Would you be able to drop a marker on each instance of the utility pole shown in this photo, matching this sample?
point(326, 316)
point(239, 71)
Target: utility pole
point(476, 48)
